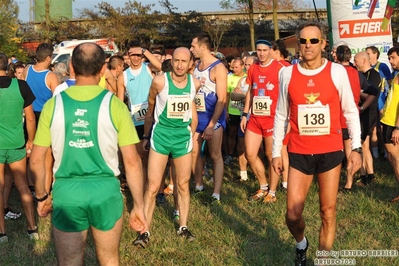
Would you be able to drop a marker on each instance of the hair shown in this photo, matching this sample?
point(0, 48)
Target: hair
point(114, 61)
point(158, 49)
point(204, 39)
point(245, 54)
point(311, 24)
point(133, 44)
point(374, 50)
point(3, 61)
point(339, 43)
point(60, 68)
point(394, 49)
point(167, 65)
point(43, 51)
point(88, 59)
point(343, 53)
point(238, 59)
point(279, 45)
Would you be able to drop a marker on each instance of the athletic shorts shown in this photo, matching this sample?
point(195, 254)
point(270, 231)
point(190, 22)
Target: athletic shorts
point(316, 163)
point(261, 125)
point(203, 127)
point(205, 118)
point(387, 133)
point(140, 131)
point(12, 155)
point(345, 134)
point(171, 141)
point(81, 202)
point(368, 120)
point(234, 120)
point(37, 117)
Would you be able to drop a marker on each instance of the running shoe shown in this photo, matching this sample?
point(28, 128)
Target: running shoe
point(259, 195)
point(10, 214)
point(3, 238)
point(142, 240)
point(183, 232)
point(300, 259)
point(161, 200)
point(269, 199)
point(33, 234)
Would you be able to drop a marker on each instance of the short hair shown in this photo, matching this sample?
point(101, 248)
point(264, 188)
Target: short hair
point(339, 43)
point(394, 49)
point(245, 54)
point(133, 44)
point(3, 61)
point(114, 61)
point(60, 68)
point(167, 65)
point(311, 24)
point(158, 49)
point(43, 51)
point(343, 53)
point(239, 60)
point(374, 50)
point(88, 59)
point(204, 39)
point(279, 45)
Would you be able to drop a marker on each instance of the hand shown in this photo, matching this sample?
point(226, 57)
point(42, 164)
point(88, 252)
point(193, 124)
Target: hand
point(354, 162)
point(208, 133)
point(395, 137)
point(145, 144)
point(237, 90)
point(277, 164)
point(243, 123)
point(29, 146)
point(137, 220)
point(45, 207)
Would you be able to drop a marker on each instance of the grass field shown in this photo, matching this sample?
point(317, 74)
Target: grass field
point(237, 232)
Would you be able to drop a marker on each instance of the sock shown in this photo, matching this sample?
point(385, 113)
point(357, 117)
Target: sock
point(363, 178)
point(181, 227)
point(171, 186)
point(302, 244)
point(264, 187)
point(216, 196)
point(272, 192)
point(244, 175)
point(284, 184)
point(176, 213)
point(200, 188)
point(370, 177)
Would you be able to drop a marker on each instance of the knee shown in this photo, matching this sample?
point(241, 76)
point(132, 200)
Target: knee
point(293, 216)
point(328, 214)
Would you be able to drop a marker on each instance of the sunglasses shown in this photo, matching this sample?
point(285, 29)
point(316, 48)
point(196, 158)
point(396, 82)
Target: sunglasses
point(138, 55)
point(311, 40)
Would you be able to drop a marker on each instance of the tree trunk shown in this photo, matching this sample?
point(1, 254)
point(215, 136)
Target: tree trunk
point(275, 21)
point(48, 19)
point(251, 24)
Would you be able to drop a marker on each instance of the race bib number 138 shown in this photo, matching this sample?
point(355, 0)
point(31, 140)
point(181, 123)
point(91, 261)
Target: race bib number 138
point(313, 120)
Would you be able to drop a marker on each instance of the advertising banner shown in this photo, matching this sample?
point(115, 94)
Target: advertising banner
point(361, 23)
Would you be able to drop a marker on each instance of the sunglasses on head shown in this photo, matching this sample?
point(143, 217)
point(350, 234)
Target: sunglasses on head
point(311, 40)
point(138, 55)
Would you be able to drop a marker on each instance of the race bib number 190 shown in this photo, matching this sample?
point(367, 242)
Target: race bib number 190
point(139, 111)
point(313, 120)
point(179, 106)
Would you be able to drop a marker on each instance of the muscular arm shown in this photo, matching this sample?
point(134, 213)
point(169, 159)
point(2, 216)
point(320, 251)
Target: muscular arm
point(219, 75)
point(52, 81)
point(111, 81)
point(153, 60)
point(156, 85)
point(194, 114)
point(121, 87)
point(30, 126)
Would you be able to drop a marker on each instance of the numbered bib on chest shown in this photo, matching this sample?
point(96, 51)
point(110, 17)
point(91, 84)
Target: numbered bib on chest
point(139, 111)
point(313, 120)
point(261, 105)
point(179, 107)
point(200, 102)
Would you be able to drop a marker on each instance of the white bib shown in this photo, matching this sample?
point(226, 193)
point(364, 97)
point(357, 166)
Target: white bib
point(261, 105)
point(179, 107)
point(139, 111)
point(200, 102)
point(313, 119)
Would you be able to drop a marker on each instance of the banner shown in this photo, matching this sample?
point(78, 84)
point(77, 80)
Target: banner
point(361, 25)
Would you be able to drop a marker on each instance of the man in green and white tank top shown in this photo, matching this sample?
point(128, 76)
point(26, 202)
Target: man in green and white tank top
point(85, 124)
point(171, 107)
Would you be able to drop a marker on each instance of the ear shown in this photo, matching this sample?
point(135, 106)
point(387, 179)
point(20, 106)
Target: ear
point(103, 70)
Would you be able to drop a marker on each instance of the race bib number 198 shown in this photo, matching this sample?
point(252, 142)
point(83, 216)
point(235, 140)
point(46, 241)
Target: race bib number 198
point(313, 120)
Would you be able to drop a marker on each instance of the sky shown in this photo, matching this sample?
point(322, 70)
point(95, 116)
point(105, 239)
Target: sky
point(182, 5)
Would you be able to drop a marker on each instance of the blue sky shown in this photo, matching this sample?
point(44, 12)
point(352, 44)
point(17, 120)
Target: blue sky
point(182, 5)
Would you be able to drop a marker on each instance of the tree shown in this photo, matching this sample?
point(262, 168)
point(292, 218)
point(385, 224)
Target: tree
point(216, 28)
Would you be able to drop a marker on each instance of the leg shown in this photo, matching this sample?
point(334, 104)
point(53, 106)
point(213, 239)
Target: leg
point(393, 154)
point(298, 187)
point(242, 160)
point(252, 144)
point(215, 151)
point(2, 221)
point(232, 139)
point(70, 247)
point(157, 163)
point(197, 163)
point(144, 157)
point(183, 169)
point(272, 174)
point(367, 156)
point(348, 150)
point(19, 172)
point(107, 244)
point(328, 189)
point(7, 184)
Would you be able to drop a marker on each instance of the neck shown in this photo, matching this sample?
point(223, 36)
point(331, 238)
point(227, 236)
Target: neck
point(41, 66)
point(86, 81)
point(3, 73)
point(180, 80)
point(312, 64)
point(264, 63)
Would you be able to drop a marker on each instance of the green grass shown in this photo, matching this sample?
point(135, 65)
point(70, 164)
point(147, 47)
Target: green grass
point(237, 232)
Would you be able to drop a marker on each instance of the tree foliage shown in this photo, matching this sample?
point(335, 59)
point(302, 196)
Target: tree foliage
point(216, 28)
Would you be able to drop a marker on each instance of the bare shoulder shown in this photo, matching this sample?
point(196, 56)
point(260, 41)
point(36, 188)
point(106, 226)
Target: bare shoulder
point(158, 82)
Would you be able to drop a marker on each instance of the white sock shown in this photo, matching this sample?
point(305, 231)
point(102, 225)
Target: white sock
point(200, 188)
point(181, 227)
point(302, 244)
point(244, 175)
point(176, 213)
point(171, 186)
point(272, 192)
point(264, 187)
point(216, 196)
point(284, 184)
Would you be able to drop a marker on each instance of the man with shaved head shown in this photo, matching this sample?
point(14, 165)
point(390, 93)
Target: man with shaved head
point(88, 126)
point(171, 109)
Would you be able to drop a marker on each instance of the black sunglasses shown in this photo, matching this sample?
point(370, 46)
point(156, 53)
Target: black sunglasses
point(311, 40)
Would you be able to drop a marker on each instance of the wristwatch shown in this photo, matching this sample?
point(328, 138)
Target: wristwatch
point(358, 150)
point(143, 50)
point(42, 199)
point(396, 127)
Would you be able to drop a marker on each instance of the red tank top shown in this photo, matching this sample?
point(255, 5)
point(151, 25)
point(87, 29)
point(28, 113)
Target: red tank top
point(354, 80)
point(267, 81)
point(306, 92)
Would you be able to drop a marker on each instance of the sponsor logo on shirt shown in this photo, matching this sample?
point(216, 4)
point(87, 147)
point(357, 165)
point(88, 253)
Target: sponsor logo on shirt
point(80, 123)
point(80, 112)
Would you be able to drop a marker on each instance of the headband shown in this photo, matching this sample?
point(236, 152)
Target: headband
point(265, 42)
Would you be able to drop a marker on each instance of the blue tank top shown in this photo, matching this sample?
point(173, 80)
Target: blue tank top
point(37, 82)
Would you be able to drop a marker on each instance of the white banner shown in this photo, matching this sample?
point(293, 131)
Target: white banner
point(360, 26)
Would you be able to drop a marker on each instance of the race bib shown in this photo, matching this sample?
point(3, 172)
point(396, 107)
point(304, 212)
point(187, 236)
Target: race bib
point(139, 111)
point(179, 107)
point(261, 105)
point(200, 102)
point(313, 119)
point(237, 104)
